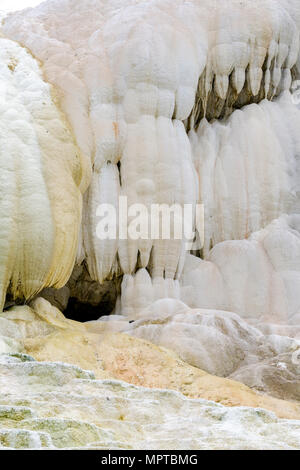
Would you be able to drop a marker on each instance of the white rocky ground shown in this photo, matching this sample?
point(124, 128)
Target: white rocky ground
point(56, 405)
point(53, 404)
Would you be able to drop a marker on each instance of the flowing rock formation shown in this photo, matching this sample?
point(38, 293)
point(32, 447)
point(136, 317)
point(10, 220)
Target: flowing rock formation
point(39, 233)
point(135, 77)
point(159, 102)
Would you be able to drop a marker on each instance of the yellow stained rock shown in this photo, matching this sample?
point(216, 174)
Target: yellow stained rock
point(136, 361)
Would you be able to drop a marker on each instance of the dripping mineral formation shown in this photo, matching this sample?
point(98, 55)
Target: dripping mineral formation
point(160, 102)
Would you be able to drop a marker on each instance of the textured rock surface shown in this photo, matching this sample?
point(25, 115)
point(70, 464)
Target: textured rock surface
point(258, 278)
point(135, 96)
point(44, 333)
point(259, 345)
point(56, 405)
point(221, 343)
point(164, 102)
point(133, 89)
point(40, 166)
point(248, 168)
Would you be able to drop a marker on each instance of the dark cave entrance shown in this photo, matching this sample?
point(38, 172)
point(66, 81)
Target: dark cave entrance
point(84, 311)
point(83, 299)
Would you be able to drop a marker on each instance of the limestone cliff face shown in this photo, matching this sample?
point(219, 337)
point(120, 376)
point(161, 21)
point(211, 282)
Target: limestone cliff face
point(42, 178)
point(162, 102)
point(135, 82)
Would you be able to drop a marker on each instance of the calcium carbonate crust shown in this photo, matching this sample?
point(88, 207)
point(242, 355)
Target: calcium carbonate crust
point(161, 102)
point(137, 76)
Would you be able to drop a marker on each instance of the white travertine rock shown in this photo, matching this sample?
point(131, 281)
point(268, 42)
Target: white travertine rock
point(221, 343)
point(128, 86)
point(49, 396)
point(248, 167)
point(55, 405)
point(169, 102)
point(258, 278)
point(139, 291)
point(41, 180)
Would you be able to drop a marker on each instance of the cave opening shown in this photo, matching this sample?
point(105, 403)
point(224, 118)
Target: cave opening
point(82, 299)
point(84, 311)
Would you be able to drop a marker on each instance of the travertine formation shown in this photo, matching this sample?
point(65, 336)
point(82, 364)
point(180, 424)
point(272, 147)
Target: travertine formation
point(136, 77)
point(40, 167)
point(163, 102)
point(54, 403)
